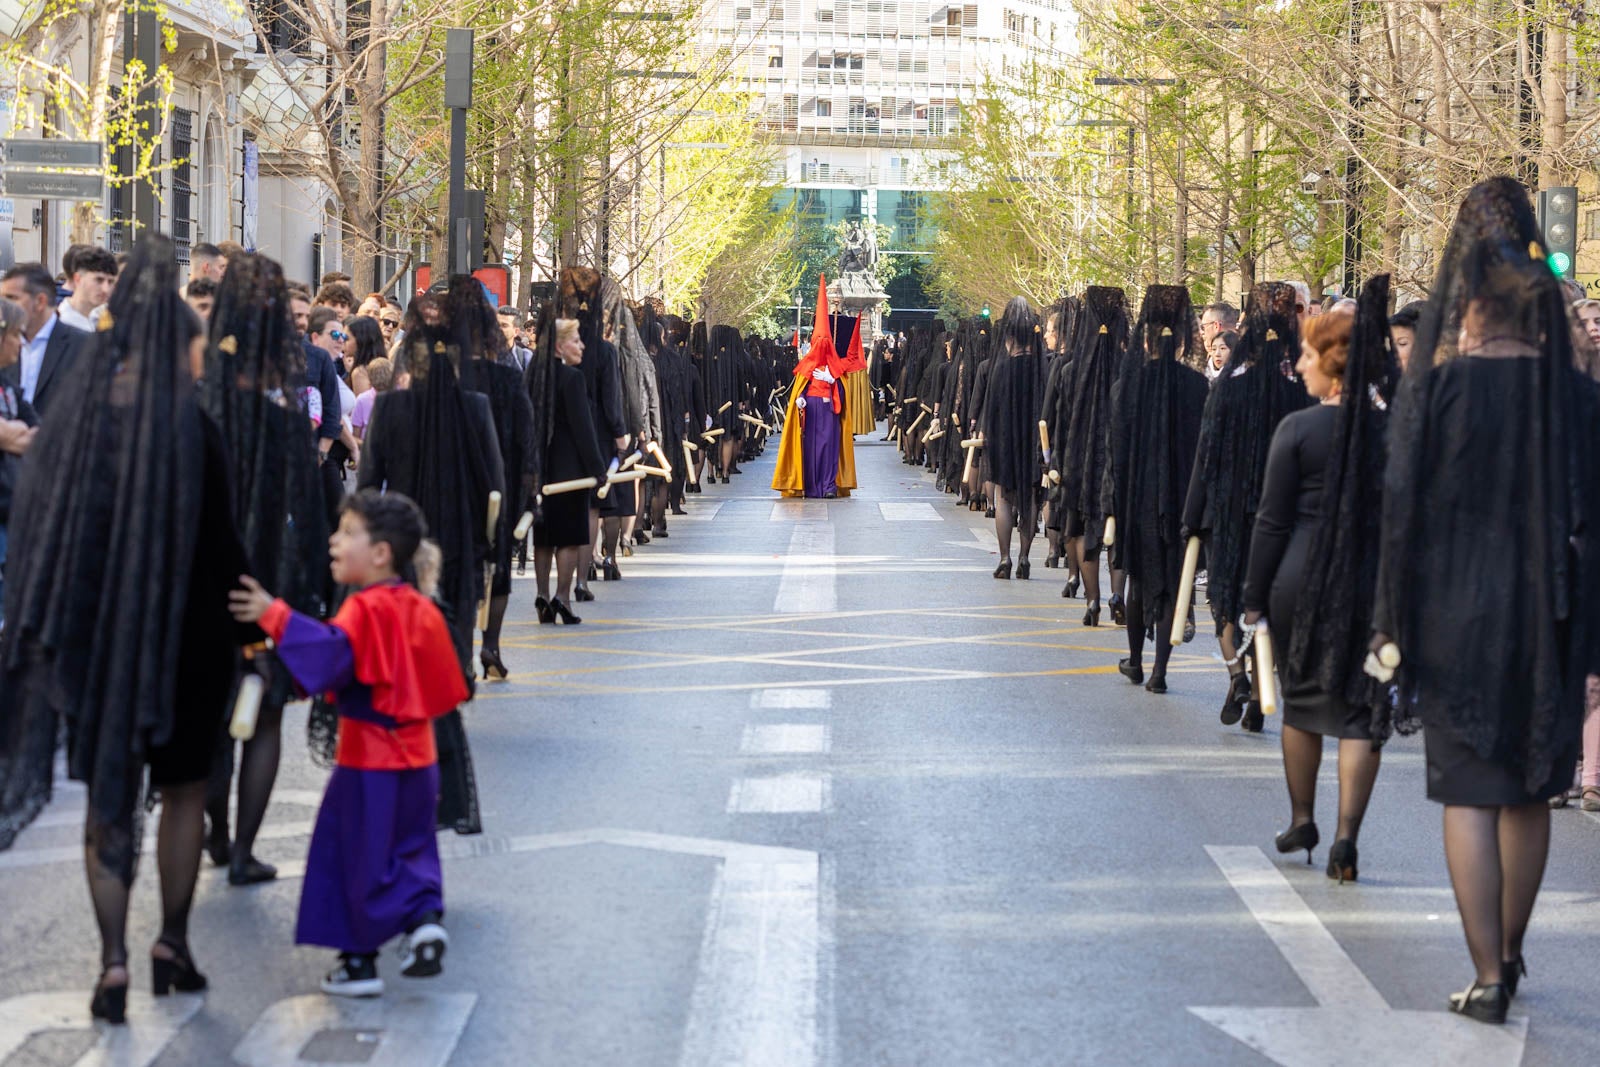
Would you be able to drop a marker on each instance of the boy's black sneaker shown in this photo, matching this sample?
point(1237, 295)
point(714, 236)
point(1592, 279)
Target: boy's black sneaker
point(356, 976)
point(424, 951)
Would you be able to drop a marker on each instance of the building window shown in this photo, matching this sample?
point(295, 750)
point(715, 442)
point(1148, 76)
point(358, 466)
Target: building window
point(952, 16)
point(774, 58)
point(182, 182)
point(824, 14)
point(742, 14)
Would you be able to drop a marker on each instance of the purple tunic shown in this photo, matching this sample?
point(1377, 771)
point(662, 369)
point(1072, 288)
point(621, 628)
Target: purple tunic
point(373, 871)
point(819, 448)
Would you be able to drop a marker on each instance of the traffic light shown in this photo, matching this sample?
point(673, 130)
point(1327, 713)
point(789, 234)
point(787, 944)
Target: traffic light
point(1558, 221)
point(985, 311)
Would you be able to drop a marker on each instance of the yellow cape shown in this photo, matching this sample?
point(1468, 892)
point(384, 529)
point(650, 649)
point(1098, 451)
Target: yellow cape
point(858, 391)
point(789, 477)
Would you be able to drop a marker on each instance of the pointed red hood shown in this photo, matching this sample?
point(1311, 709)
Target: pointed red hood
point(856, 358)
point(822, 352)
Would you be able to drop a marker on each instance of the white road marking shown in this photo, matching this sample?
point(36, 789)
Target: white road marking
point(152, 1024)
point(792, 698)
point(799, 511)
point(902, 512)
point(755, 998)
point(810, 571)
point(698, 512)
point(783, 794)
point(1352, 1022)
point(784, 739)
point(408, 1030)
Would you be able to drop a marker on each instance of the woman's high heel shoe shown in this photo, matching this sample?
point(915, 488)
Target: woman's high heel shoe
point(542, 606)
point(1119, 612)
point(1024, 568)
point(1511, 973)
point(1238, 693)
point(1003, 571)
point(562, 612)
point(493, 669)
point(1342, 864)
point(1130, 670)
point(1484, 1003)
point(609, 567)
point(1092, 616)
point(581, 593)
point(1070, 590)
point(1295, 838)
point(110, 1002)
point(177, 973)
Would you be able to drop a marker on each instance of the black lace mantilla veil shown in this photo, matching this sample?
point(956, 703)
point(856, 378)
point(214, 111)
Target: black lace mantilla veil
point(103, 531)
point(1494, 642)
point(1012, 401)
point(1333, 615)
point(251, 361)
point(1256, 390)
point(1101, 338)
point(1159, 399)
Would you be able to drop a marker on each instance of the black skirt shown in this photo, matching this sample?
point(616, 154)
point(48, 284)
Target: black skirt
point(1457, 775)
point(563, 521)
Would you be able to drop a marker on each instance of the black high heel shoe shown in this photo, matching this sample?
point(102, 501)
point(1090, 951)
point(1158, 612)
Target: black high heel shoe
point(177, 973)
point(594, 572)
point(1238, 693)
point(1119, 611)
point(542, 606)
point(1157, 684)
point(580, 593)
point(1003, 571)
point(640, 537)
point(1092, 616)
point(1253, 719)
point(218, 847)
point(1070, 590)
point(1024, 568)
point(1050, 562)
point(1483, 1003)
point(1342, 865)
point(110, 1002)
point(608, 566)
point(1511, 973)
point(1295, 838)
point(493, 669)
point(1130, 670)
point(562, 612)
point(248, 870)
point(988, 512)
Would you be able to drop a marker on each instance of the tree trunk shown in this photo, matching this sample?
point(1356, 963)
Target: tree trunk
point(1553, 77)
point(104, 21)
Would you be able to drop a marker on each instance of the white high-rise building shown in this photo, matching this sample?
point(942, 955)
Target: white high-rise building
point(862, 94)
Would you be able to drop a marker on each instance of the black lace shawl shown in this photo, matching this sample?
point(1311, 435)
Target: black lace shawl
point(1156, 427)
point(102, 541)
point(1256, 390)
point(1333, 614)
point(1012, 400)
point(1486, 575)
point(1101, 338)
point(252, 357)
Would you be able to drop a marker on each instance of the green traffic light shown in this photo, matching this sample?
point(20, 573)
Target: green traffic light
point(1561, 263)
point(985, 311)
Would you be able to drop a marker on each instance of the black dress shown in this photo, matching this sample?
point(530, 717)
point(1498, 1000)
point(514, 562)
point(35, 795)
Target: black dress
point(1286, 519)
point(1478, 586)
point(573, 452)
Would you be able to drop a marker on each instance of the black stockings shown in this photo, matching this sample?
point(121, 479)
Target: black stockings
point(497, 621)
point(611, 529)
point(1137, 624)
point(566, 561)
point(1008, 514)
point(258, 770)
point(1088, 570)
point(178, 844)
point(1496, 858)
point(1358, 770)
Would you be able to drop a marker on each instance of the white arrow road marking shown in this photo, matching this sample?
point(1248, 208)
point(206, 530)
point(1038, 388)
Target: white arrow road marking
point(1352, 1023)
point(410, 1030)
point(903, 512)
point(810, 571)
point(152, 1024)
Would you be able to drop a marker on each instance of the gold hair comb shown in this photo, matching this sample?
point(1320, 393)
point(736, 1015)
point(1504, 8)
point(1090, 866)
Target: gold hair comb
point(229, 345)
point(1272, 335)
point(1103, 328)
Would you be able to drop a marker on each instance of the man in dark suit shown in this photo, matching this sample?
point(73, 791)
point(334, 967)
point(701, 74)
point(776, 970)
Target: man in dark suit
point(49, 346)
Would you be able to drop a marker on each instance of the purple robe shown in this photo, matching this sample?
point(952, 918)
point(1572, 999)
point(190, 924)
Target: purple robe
point(373, 871)
point(819, 447)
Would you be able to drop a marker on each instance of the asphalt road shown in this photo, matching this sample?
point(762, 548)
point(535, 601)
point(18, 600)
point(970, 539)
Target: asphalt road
point(807, 787)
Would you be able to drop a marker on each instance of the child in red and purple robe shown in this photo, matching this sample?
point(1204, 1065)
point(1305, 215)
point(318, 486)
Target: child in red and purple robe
point(387, 663)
